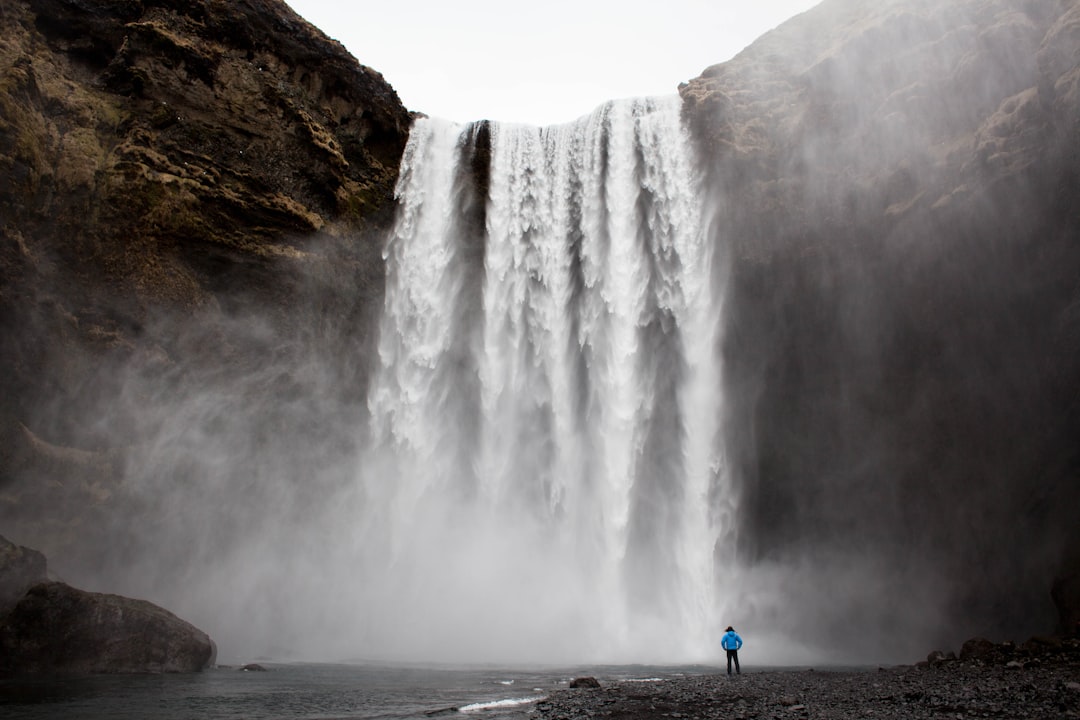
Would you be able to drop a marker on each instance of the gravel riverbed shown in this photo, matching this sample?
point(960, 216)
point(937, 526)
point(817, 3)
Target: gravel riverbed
point(953, 689)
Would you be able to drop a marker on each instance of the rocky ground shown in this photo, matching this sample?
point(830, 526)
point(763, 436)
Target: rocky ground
point(1024, 687)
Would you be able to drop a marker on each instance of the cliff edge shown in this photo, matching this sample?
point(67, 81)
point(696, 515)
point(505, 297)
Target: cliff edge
point(895, 190)
point(171, 171)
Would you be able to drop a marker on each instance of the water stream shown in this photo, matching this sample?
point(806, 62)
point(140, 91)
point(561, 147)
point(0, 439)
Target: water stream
point(545, 414)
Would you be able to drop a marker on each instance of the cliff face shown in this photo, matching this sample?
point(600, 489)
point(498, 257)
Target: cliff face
point(171, 168)
point(897, 186)
point(194, 200)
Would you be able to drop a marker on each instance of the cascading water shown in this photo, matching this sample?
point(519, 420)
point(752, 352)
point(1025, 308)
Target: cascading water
point(543, 469)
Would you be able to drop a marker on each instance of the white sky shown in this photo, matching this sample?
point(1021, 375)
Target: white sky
point(543, 61)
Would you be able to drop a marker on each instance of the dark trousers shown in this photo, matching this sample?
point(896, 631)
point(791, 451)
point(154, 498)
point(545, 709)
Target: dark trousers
point(733, 655)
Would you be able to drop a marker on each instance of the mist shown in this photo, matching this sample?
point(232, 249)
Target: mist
point(895, 319)
point(793, 352)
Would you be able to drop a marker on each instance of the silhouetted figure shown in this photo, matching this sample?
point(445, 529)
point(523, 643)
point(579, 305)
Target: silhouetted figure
point(731, 642)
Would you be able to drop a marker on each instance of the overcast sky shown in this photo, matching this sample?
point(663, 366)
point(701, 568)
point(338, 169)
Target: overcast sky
point(542, 61)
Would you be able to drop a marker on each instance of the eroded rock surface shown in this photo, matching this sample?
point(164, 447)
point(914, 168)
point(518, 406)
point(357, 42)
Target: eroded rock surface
point(20, 569)
point(895, 194)
point(191, 224)
point(56, 628)
point(195, 198)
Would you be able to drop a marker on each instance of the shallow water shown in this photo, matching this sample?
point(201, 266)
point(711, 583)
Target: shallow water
point(310, 691)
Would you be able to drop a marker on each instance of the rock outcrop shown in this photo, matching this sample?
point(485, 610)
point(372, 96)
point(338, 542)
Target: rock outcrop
point(48, 627)
point(195, 198)
point(59, 629)
point(20, 569)
point(895, 186)
point(191, 226)
point(1066, 594)
point(587, 682)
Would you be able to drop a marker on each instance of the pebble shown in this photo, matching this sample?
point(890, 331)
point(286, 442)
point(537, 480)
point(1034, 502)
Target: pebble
point(954, 689)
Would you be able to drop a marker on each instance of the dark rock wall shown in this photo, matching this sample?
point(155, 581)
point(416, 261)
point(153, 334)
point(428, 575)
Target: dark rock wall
point(194, 200)
point(20, 569)
point(895, 187)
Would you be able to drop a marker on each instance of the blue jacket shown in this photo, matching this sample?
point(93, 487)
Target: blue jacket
point(731, 640)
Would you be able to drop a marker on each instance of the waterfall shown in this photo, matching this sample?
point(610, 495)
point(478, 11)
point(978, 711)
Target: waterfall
point(543, 461)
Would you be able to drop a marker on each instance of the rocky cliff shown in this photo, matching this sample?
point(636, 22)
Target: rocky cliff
point(191, 222)
point(173, 170)
point(20, 569)
point(897, 186)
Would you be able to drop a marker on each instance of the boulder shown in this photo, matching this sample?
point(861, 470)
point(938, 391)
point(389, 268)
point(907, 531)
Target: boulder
point(20, 569)
point(1042, 645)
point(585, 682)
point(979, 649)
point(1066, 595)
point(56, 628)
point(938, 657)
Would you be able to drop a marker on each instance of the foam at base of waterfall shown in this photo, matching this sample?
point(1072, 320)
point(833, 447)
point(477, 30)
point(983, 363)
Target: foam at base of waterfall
point(500, 704)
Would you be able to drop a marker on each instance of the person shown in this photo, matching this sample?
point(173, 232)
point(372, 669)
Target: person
point(731, 642)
